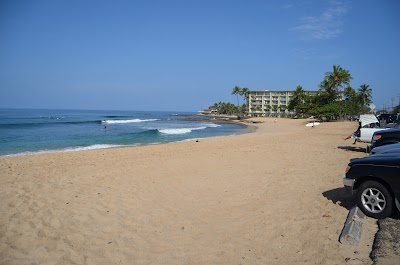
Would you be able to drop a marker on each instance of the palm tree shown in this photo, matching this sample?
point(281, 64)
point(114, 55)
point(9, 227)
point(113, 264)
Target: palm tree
point(349, 93)
point(365, 94)
point(217, 106)
point(327, 91)
point(298, 97)
point(236, 91)
point(244, 92)
point(299, 94)
point(339, 76)
point(335, 80)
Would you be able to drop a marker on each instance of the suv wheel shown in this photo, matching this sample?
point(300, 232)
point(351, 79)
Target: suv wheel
point(374, 200)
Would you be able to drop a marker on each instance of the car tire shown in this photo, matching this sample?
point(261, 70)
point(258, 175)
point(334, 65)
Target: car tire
point(374, 200)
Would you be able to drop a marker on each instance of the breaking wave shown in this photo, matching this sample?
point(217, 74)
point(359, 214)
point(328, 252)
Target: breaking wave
point(187, 130)
point(127, 121)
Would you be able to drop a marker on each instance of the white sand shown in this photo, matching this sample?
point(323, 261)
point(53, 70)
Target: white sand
point(274, 196)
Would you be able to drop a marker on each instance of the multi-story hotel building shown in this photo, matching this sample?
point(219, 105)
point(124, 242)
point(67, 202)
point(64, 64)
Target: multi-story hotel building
point(270, 103)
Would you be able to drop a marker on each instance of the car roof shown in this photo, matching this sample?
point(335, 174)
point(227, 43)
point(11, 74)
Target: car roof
point(396, 129)
point(387, 159)
point(392, 148)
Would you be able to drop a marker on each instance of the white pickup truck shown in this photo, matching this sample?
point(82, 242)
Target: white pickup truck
point(367, 133)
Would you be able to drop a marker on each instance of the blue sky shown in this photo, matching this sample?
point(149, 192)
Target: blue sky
point(187, 55)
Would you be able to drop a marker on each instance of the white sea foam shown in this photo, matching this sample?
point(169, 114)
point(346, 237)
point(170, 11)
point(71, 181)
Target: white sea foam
point(188, 130)
point(91, 147)
point(212, 125)
point(70, 149)
point(181, 130)
point(127, 121)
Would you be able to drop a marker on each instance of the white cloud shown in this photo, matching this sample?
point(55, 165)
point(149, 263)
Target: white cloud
point(327, 25)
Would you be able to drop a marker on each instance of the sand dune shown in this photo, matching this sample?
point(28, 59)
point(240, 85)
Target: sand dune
point(273, 196)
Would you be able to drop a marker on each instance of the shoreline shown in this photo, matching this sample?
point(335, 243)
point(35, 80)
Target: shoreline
point(249, 129)
point(217, 201)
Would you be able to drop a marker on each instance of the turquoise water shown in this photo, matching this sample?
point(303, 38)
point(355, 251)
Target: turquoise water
point(36, 131)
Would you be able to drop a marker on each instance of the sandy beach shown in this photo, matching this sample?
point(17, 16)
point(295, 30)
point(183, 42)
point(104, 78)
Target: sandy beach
point(273, 196)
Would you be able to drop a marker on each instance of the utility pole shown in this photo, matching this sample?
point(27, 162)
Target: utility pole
point(392, 103)
point(399, 102)
point(398, 109)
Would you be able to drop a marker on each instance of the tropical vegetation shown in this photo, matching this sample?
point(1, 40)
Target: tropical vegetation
point(228, 108)
point(336, 99)
point(396, 109)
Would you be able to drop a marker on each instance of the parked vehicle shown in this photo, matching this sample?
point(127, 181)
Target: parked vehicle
point(384, 137)
point(385, 149)
point(395, 121)
point(385, 116)
point(387, 120)
point(389, 117)
point(375, 180)
point(366, 134)
point(368, 128)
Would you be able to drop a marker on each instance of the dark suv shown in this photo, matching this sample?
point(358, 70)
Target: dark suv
point(376, 182)
point(384, 137)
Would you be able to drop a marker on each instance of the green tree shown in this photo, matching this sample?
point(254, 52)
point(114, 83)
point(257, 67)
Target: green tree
point(236, 91)
point(350, 102)
point(328, 111)
point(338, 77)
point(365, 95)
point(243, 92)
point(350, 93)
point(298, 98)
point(243, 108)
point(309, 103)
point(396, 109)
point(333, 81)
point(330, 87)
point(227, 108)
point(218, 107)
point(327, 93)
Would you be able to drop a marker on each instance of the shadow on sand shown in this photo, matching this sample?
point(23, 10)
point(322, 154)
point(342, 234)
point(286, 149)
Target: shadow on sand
point(341, 197)
point(353, 149)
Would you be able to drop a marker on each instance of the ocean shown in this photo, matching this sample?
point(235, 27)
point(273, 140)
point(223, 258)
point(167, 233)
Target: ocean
point(25, 131)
